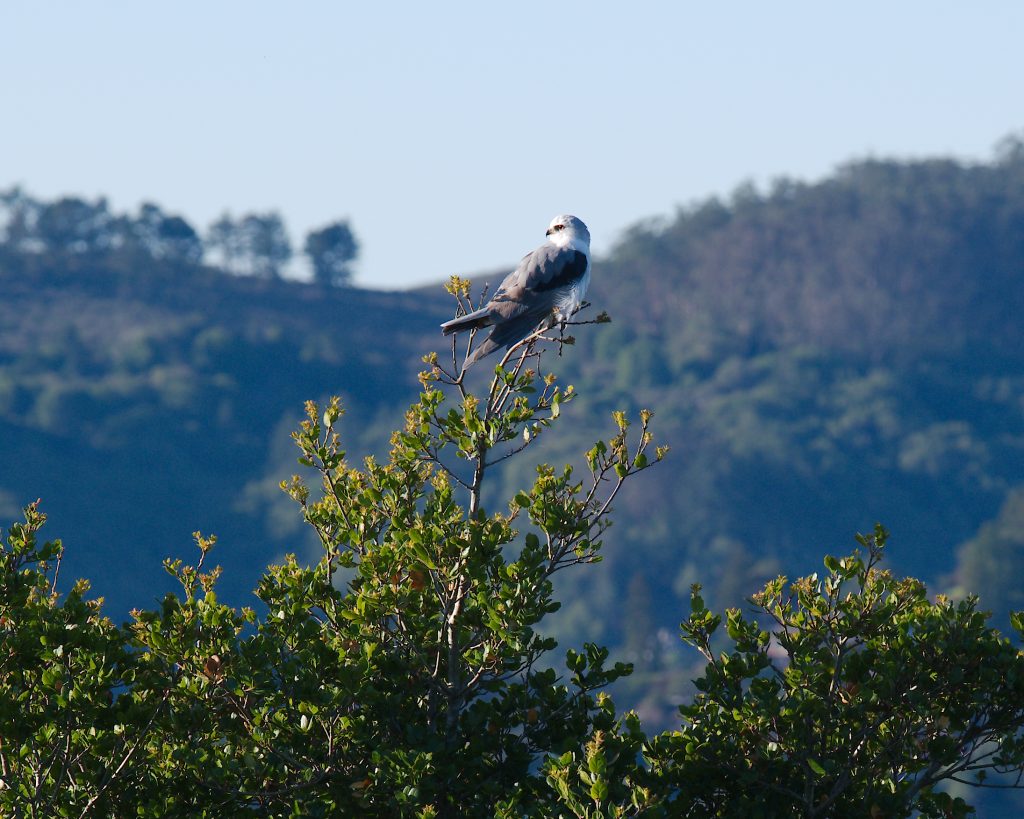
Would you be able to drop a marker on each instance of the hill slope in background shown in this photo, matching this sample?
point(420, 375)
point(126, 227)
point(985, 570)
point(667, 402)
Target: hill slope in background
point(819, 357)
point(141, 409)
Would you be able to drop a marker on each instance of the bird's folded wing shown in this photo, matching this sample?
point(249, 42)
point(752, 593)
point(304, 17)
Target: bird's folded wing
point(518, 319)
point(521, 320)
point(548, 268)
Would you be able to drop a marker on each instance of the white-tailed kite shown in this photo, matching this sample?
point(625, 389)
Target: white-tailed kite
point(546, 288)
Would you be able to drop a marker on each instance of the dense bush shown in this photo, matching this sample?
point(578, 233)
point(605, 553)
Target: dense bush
point(405, 672)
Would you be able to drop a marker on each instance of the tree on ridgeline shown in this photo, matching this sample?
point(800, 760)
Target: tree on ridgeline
point(254, 245)
point(331, 251)
point(165, 237)
point(223, 240)
point(265, 244)
point(18, 215)
point(74, 226)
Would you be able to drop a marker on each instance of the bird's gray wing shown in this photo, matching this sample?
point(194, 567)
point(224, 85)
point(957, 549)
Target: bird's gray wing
point(532, 289)
point(523, 318)
point(526, 295)
point(549, 267)
point(535, 285)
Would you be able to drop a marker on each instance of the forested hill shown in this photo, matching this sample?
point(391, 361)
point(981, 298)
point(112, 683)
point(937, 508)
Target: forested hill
point(819, 356)
point(823, 356)
point(887, 261)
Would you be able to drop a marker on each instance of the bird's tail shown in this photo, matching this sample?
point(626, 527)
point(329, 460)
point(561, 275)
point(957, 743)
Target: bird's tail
point(470, 321)
point(485, 349)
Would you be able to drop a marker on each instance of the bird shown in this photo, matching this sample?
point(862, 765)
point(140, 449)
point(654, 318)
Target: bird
point(546, 288)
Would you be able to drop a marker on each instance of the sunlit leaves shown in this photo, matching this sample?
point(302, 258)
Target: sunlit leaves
point(843, 690)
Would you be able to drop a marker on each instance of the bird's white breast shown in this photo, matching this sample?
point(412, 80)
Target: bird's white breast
point(570, 302)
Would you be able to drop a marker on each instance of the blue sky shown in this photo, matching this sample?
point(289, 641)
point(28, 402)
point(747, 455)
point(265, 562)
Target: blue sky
point(450, 133)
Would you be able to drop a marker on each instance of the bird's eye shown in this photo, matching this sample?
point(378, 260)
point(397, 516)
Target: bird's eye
point(559, 227)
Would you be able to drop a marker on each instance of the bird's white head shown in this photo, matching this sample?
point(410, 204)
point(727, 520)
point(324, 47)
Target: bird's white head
point(566, 230)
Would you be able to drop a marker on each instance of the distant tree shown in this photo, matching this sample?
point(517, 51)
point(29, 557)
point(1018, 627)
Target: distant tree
point(18, 215)
point(264, 243)
point(72, 225)
point(1010, 149)
point(165, 237)
point(331, 250)
point(179, 240)
point(224, 238)
point(255, 245)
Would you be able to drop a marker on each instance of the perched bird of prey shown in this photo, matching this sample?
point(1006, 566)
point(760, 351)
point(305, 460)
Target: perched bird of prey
point(546, 288)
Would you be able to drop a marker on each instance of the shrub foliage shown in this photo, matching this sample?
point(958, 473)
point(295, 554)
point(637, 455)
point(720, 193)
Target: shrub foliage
point(405, 673)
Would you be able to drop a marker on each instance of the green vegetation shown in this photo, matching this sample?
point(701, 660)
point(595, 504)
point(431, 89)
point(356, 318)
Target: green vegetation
point(821, 356)
point(404, 673)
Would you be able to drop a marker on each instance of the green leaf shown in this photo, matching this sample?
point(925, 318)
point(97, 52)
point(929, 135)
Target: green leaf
point(421, 553)
point(1017, 620)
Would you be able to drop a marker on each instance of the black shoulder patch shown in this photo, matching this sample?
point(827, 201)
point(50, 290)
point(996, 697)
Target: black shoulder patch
point(569, 271)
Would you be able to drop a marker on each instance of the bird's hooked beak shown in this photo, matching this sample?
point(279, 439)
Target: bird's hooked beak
point(549, 231)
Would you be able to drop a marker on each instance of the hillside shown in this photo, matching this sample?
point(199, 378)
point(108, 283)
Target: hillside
point(819, 356)
point(154, 407)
